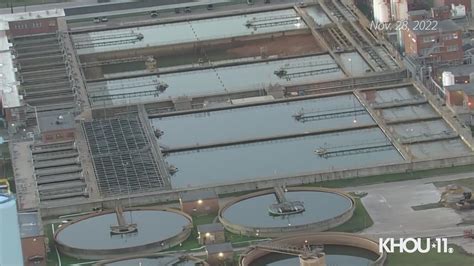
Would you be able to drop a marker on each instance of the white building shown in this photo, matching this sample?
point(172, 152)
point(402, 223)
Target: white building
point(10, 242)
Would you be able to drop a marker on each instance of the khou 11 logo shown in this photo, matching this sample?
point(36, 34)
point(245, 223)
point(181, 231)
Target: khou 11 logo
point(412, 245)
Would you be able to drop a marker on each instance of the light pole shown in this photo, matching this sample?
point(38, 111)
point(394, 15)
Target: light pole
point(350, 62)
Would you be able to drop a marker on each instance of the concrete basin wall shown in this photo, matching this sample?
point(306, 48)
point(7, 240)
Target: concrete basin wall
point(279, 231)
point(323, 238)
point(52, 211)
point(150, 256)
point(98, 254)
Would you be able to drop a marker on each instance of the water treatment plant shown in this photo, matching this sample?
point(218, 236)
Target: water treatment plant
point(258, 132)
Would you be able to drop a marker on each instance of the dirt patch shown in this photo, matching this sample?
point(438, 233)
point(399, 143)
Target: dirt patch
point(281, 46)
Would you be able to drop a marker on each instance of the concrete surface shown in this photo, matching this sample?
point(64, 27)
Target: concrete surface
point(389, 206)
point(22, 160)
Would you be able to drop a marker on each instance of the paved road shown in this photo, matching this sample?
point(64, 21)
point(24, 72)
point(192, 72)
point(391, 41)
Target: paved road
point(167, 13)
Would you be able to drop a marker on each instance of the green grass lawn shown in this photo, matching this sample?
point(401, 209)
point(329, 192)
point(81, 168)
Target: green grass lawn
point(359, 221)
point(458, 258)
point(192, 242)
point(427, 206)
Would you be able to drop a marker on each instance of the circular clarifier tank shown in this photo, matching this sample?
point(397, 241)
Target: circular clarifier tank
point(335, 255)
point(153, 260)
point(338, 248)
point(261, 213)
point(142, 230)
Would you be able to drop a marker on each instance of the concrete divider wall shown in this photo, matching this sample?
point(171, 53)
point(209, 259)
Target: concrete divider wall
point(182, 48)
point(167, 106)
point(95, 254)
point(323, 238)
point(49, 210)
point(279, 231)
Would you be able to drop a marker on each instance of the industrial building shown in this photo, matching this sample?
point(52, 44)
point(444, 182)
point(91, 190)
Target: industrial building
point(218, 254)
point(110, 110)
point(33, 240)
point(211, 234)
point(442, 44)
point(199, 202)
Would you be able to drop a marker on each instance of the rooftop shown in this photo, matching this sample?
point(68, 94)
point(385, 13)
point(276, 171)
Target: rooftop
point(30, 224)
point(460, 70)
point(441, 8)
point(8, 82)
point(466, 88)
point(217, 248)
point(420, 12)
point(55, 120)
point(51, 13)
point(4, 44)
point(209, 228)
point(194, 195)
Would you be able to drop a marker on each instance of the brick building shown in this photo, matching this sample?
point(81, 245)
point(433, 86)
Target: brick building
point(211, 233)
point(458, 88)
point(32, 239)
point(441, 13)
point(198, 202)
point(441, 43)
point(220, 254)
point(462, 73)
point(460, 96)
point(37, 22)
point(466, 3)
